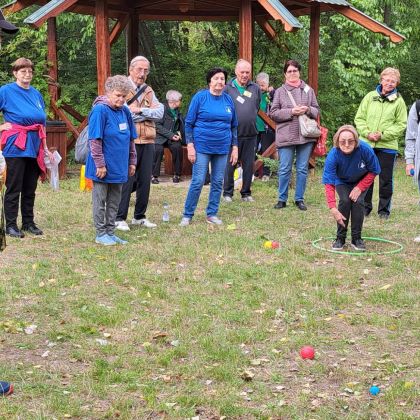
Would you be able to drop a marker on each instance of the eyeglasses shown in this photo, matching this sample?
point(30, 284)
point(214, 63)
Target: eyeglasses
point(292, 71)
point(140, 70)
point(28, 71)
point(346, 142)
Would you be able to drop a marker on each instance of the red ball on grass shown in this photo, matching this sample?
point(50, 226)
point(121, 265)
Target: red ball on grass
point(307, 352)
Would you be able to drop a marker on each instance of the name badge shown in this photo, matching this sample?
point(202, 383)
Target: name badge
point(247, 93)
point(240, 99)
point(123, 126)
point(306, 89)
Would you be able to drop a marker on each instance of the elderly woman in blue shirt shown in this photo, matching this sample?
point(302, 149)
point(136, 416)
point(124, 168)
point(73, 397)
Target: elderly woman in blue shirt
point(211, 132)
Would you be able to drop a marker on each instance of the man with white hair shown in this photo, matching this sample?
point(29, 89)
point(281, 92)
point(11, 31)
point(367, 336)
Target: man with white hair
point(246, 96)
point(170, 134)
point(145, 110)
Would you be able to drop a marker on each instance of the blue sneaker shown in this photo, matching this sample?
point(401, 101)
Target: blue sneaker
point(105, 240)
point(118, 240)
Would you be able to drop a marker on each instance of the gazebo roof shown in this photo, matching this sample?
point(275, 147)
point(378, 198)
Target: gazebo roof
point(286, 11)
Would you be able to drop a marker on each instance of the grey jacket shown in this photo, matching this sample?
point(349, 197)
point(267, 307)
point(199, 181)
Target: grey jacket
point(412, 141)
point(246, 107)
point(287, 125)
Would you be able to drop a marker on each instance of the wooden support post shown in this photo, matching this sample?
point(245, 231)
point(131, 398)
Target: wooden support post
point(52, 60)
point(314, 47)
point(246, 33)
point(133, 36)
point(103, 52)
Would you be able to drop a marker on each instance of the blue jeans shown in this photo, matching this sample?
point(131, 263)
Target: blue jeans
point(286, 156)
point(199, 171)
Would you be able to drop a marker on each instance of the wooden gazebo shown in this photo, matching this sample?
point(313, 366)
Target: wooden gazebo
point(115, 16)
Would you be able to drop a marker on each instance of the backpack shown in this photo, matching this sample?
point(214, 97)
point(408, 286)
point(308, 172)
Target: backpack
point(82, 146)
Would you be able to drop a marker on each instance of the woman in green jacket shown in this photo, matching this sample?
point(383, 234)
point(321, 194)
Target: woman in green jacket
point(381, 120)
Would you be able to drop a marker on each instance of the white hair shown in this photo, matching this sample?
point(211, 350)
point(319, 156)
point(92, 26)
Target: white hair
point(263, 77)
point(173, 95)
point(242, 61)
point(139, 58)
point(117, 82)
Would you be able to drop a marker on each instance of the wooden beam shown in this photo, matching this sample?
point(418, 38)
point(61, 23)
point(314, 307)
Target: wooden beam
point(52, 59)
point(103, 52)
point(53, 11)
point(367, 22)
point(70, 110)
point(267, 28)
point(63, 117)
point(246, 33)
point(288, 20)
point(314, 47)
point(118, 28)
point(133, 36)
point(16, 7)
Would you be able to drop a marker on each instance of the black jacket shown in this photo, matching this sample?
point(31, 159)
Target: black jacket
point(165, 128)
point(247, 108)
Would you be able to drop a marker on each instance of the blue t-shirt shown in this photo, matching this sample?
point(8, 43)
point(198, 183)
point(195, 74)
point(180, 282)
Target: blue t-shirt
point(24, 107)
point(116, 129)
point(349, 169)
point(211, 123)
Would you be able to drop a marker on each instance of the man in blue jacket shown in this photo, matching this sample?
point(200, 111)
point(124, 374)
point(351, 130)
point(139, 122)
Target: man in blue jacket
point(246, 96)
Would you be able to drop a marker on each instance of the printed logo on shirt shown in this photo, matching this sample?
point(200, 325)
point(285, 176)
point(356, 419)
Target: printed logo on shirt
point(39, 105)
point(362, 165)
point(228, 110)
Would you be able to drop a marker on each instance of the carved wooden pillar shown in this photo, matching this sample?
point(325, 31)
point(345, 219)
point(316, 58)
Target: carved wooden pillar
point(246, 30)
point(52, 60)
point(103, 52)
point(133, 36)
point(314, 47)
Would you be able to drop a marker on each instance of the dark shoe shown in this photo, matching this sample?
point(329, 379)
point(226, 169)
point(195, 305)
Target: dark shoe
point(358, 244)
point(301, 205)
point(14, 232)
point(367, 212)
point(155, 180)
point(176, 179)
point(32, 228)
point(280, 205)
point(338, 244)
point(384, 216)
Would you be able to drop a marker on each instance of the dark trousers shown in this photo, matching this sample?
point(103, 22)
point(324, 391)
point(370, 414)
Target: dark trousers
point(387, 163)
point(264, 141)
point(246, 156)
point(145, 153)
point(21, 182)
point(176, 150)
point(350, 210)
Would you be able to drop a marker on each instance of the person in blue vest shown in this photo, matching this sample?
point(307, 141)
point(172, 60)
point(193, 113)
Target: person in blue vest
point(350, 169)
point(112, 156)
point(211, 133)
point(24, 145)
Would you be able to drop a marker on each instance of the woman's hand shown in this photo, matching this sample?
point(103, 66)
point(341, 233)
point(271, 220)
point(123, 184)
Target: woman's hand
point(101, 172)
point(355, 194)
point(234, 155)
point(191, 152)
point(131, 170)
point(49, 155)
point(299, 110)
point(375, 136)
point(5, 126)
point(339, 218)
point(408, 169)
point(176, 137)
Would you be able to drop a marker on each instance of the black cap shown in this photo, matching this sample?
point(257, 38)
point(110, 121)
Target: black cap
point(6, 26)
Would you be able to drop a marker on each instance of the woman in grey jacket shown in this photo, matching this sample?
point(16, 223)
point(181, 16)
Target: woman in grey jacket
point(412, 145)
point(289, 140)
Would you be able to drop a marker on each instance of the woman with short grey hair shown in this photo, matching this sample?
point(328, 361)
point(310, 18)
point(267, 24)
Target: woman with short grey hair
point(173, 95)
point(112, 155)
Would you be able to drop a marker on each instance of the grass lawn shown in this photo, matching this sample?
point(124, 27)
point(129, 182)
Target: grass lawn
point(203, 322)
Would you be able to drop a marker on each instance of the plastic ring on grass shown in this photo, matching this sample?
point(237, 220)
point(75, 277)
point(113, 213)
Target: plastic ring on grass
point(398, 248)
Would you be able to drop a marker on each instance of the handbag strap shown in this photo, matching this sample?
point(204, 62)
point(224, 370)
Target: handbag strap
point(291, 98)
point(138, 93)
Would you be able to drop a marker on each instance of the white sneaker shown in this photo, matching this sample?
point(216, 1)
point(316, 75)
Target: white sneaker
point(227, 199)
point(144, 222)
point(248, 199)
point(265, 178)
point(185, 221)
point(122, 225)
point(214, 220)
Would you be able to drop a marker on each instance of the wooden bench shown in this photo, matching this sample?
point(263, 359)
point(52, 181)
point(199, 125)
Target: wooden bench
point(186, 164)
